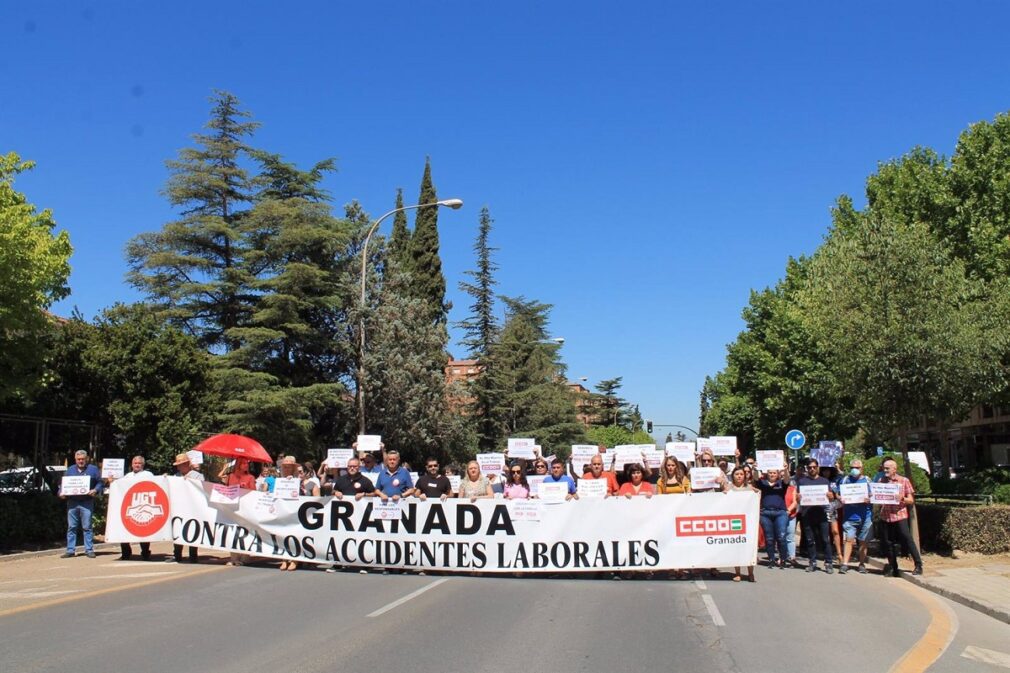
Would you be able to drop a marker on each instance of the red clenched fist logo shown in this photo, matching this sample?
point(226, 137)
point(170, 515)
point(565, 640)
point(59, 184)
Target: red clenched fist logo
point(145, 509)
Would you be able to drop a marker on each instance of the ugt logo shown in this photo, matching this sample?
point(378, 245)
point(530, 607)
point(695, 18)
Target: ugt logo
point(720, 524)
point(145, 509)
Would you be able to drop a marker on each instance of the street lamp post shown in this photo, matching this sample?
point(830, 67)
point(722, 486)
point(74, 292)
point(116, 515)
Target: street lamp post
point(455, 204)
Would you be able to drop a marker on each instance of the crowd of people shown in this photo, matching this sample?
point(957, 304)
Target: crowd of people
point(831, 532)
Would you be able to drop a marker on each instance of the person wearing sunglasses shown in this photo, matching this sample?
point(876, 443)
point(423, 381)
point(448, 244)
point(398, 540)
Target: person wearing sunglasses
point(706, 459)
point(431, 484)
point(814, 519)
point(517, 487)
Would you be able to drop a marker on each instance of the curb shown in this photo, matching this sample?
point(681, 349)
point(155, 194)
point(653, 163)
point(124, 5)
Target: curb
point(20, 556)
point(989, 610)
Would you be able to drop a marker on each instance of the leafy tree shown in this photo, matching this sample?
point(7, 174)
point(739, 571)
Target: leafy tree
point(615, 435)
point(34, 268)
point(195, 269)
point(608, 405)
point(480, 330)
point(528, 378)
point(425, 268)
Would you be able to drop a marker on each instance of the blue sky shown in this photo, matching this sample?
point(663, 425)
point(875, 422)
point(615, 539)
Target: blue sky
point(646, 164)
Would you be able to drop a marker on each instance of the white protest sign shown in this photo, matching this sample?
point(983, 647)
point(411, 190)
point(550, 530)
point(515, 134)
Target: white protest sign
point(592, 488)
point(521, 447)
point(338, 457)
point(626, 453)
point(704, 478)
point(723, 446)
point(265, 503)
point(653, 456)
point(553, 491)
point(814, 495)
point(287, 488)
point(386, 511)
point(534, 480)
point(770, 460)
point(524, 510)
point(581, 455)
point(881, 494)
point(195, 457)
point(682, 451)
point(919, 458)
point(704, 444)
point(113, 468)
point(225, 495)
point(413, 477)
point(852, 494)
point(75, 485)
point(491, 463)
point(370, 443)
point(454, 482)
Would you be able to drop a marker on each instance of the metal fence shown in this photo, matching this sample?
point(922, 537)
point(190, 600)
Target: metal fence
point(957, 499)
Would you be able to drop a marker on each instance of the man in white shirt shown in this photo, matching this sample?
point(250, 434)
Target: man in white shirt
point(185, 470)
point(136, 472)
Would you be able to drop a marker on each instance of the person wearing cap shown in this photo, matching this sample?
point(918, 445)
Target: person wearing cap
point(136, 472)
point(184, 469)
point(369, 467)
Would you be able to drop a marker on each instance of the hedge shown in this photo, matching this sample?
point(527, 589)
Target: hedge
point(39, 518)
point(983, 530)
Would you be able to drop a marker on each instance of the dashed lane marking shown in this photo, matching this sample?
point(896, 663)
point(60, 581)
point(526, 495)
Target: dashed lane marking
point(987, 656)
point(713, 610)
point(413, 594)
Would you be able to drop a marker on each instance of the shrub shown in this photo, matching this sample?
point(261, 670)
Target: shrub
point(1001, 494)
point(920, 480)
point(978, 481)
point(32, 518)
point(984, 530)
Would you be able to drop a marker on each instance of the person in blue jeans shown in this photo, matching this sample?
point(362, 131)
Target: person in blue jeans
point(814, 518)
point(774, 517)
point(81, 507)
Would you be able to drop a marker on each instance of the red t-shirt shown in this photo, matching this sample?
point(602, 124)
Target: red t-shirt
point(609, 476)
point(246, 481)
point(629, 489)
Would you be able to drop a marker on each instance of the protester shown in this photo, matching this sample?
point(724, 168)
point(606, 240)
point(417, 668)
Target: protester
point(558, 476)
point(310, 482)
point(792, 506)
point(369, 467)
point(738, 482)
point(540, 466)
point(774, 517)
point(814, 519)
point(136, 472)
point(673, 477)
point(353, 482)
point(239, 476)
point(431, 484)
point(474, 485)
point(857, 519)
point(595, 471)
point(706, 459)
point(394, 479)
point(895, 518)
point(833, 510)
point(517, 488)
point(184, 469)
point(81, 507)
point(636, 484)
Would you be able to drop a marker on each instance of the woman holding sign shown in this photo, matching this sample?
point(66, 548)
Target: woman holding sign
point(673, 477)
point(739, 483)
point(474, 484)
point(774, 517)
point(517, 488)
point(636, 484)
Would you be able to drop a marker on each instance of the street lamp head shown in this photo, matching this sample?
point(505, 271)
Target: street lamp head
point(558, 340)
point(455, 204)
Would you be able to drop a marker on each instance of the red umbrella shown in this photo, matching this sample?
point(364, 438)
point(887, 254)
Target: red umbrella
point(234, 446)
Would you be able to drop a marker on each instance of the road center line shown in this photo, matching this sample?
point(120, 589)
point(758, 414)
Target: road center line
point(713, 610)
point(400, 601)
point(701, 585)
point(939, 634)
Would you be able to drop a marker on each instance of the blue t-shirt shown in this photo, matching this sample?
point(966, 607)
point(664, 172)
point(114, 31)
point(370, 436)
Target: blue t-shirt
point(395, 483)
point(563, 479)
point(857, 511)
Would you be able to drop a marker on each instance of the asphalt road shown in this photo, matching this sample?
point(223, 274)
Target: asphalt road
point(260, 619)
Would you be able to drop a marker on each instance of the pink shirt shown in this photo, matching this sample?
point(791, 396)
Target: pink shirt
point(893, 513)
point(516, 491)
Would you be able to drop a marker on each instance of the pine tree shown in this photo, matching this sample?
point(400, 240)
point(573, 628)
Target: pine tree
point(194, 268)
point(480, 334)
point(425, 270)
point(399, 242)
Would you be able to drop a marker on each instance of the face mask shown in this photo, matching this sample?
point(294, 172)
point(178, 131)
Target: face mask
point(854, 472)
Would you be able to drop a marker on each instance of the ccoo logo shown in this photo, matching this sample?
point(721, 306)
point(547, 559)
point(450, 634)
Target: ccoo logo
point(722, 524)
point(145, 509)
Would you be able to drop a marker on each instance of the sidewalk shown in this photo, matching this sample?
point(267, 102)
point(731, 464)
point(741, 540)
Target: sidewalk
point(979, 582)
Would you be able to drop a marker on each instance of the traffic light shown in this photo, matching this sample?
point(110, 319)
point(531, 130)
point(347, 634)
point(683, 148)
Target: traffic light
point(648, 427)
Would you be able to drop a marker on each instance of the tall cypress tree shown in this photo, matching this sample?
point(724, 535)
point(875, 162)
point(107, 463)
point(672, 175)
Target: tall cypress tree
point(194, 268)
point(399, 242)
point(480, 334)
point(427, 280)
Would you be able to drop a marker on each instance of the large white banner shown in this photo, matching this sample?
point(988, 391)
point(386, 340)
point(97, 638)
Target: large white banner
point(702, 530)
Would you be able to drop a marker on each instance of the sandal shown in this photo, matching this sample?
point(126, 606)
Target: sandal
point(736, 578)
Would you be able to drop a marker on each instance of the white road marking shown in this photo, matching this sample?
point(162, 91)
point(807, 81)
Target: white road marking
point(986, 656)
point(413, 594)
point(713, 610)
point(128, 564)
point(701, 585)
point(28, 593)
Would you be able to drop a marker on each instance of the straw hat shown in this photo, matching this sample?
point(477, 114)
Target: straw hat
point(180, 459)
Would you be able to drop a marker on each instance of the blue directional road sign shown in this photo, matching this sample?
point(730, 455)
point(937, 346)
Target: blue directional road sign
point(795, 440)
